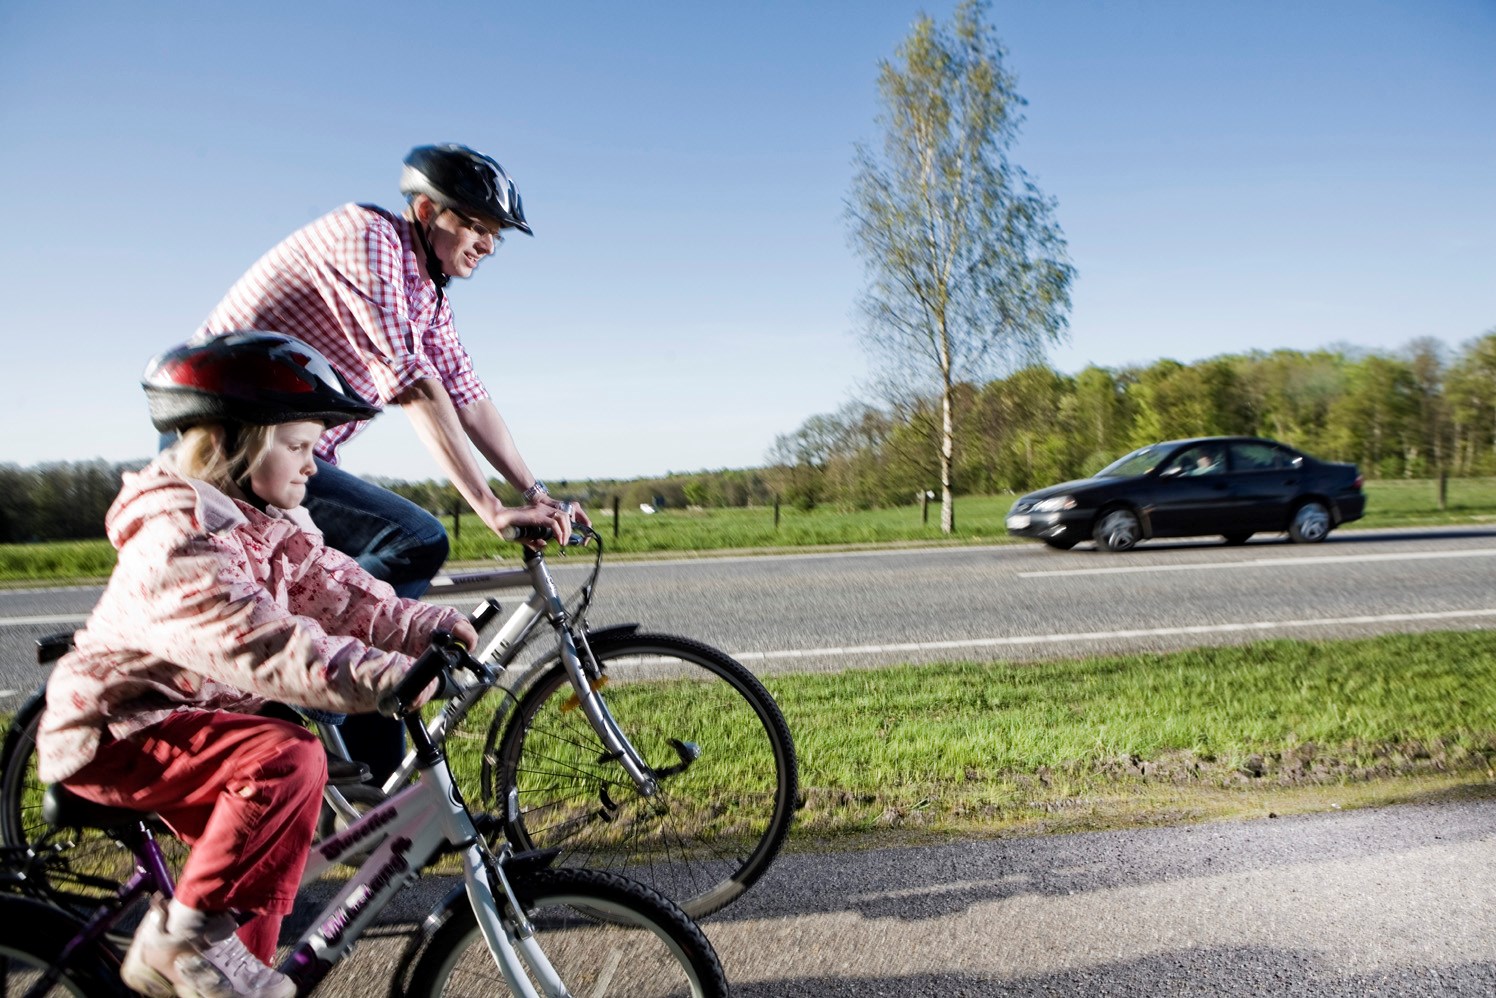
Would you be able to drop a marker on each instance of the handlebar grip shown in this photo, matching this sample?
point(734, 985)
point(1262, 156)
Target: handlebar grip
point(425, 669)
point(527, 532)
point(578, 538)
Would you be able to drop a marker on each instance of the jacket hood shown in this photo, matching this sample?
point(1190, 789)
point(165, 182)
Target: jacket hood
point(158, 488)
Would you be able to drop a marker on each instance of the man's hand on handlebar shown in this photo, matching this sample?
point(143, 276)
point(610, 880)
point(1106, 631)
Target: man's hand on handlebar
point(578, 515)
point(545, 515)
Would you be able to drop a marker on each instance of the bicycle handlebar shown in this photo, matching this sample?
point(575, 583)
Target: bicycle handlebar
point(579, 534)
point(444, 654)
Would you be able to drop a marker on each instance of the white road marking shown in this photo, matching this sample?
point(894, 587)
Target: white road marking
point(1032, 639)
point(1263, 563)
point(75, 618)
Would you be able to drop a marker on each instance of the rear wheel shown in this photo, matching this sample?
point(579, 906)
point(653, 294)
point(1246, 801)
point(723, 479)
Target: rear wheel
point(88, 865)
point(1310, 523)
point(713, 737)
point(32, 946)
point(602, 934)
point(1118, 530)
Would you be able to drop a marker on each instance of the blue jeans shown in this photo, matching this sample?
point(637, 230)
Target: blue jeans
point(393, 539)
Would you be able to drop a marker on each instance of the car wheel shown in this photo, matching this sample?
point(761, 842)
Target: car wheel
point(1118, 530)
point(1239, 537)
point(1060, 543)
point(1310, 524)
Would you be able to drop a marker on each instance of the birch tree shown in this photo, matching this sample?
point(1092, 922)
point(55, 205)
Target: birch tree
point(967, 268)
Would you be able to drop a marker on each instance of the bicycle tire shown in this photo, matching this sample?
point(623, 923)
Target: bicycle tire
point(710, 831)
point(85, 865)
point(35, 936)
point(20, 790)
point(638, 945)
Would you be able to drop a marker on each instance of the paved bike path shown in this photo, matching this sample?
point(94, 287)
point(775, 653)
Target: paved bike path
point(1394, 901)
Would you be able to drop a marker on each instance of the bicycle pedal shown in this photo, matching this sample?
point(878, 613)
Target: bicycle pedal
point(574, 701)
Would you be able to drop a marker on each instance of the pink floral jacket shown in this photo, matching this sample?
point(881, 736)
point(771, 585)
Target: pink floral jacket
point(215, 605)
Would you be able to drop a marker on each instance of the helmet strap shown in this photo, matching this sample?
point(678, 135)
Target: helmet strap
point(433, 262)
point(239, 470)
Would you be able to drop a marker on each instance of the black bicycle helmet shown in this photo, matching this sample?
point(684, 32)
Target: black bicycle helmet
point(250, 377)
point(457, 177)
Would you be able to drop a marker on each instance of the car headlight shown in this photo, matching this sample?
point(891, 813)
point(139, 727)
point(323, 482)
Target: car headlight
point(1054, 504)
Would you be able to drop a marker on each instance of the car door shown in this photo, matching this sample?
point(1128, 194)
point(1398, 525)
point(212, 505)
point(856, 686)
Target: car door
point(1265, 480)
point(1191, 492)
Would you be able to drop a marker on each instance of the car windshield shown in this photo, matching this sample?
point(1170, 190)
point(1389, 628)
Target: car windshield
point(1139, 462)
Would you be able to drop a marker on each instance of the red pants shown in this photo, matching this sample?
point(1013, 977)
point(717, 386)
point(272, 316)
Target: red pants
point(243, 791)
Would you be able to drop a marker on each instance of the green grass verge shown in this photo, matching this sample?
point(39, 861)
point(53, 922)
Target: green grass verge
point(973, 749)
point(979, 520)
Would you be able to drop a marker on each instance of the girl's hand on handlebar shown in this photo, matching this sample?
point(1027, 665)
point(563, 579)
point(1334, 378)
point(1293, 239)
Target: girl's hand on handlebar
point(463, 631)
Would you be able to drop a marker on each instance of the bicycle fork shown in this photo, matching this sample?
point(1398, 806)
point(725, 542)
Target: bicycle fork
point(616, 745)
point(511, 938)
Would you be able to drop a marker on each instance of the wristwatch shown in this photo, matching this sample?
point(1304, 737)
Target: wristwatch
point(537, 489)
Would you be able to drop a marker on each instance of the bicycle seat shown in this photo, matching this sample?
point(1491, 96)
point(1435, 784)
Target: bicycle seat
point(62, 808)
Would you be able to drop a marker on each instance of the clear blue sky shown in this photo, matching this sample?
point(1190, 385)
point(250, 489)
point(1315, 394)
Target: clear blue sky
point(1230, 175)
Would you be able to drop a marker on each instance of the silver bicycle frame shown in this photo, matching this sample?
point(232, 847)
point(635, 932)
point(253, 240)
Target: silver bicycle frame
point(404, 833)
point(500, 653)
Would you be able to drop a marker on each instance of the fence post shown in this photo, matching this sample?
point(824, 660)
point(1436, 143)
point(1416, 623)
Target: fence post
point(924, 506)
point(1443, 489)
point(456, 522)
point(776, 511)
point(615, 516)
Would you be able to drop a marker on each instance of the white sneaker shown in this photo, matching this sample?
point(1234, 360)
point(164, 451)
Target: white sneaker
point(159, 965)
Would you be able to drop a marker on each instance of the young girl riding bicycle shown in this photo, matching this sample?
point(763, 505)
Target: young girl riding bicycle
point(224, 598)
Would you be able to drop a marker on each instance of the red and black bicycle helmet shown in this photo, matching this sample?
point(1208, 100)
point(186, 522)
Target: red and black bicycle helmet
point(252, 377)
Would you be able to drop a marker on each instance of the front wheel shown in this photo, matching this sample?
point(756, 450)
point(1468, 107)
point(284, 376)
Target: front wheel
point(715, 740)
point(1118, 530)
point(602, 934)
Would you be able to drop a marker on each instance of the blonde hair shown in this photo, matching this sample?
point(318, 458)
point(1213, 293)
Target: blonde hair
point(201, 454)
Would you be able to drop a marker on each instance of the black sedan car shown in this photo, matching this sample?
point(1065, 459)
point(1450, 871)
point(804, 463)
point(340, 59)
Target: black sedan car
point(1232, 486)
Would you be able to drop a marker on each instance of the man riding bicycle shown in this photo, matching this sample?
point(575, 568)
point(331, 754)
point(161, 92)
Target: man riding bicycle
point(366, 287)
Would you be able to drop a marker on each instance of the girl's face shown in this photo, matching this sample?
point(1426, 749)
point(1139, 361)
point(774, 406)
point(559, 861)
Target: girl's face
point(280, 477)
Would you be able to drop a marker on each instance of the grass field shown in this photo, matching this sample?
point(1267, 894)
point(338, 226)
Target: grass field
point(979, 520)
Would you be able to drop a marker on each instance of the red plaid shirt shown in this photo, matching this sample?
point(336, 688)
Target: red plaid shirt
point(350, 285)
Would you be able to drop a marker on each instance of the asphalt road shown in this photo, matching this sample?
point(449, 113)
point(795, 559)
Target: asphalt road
point(831, 611)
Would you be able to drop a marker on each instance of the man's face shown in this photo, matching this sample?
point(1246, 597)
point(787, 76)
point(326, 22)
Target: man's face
point(461, 241)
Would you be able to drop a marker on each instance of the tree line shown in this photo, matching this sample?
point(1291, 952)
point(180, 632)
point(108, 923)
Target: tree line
point(1413, 413)
point(1418, 412)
